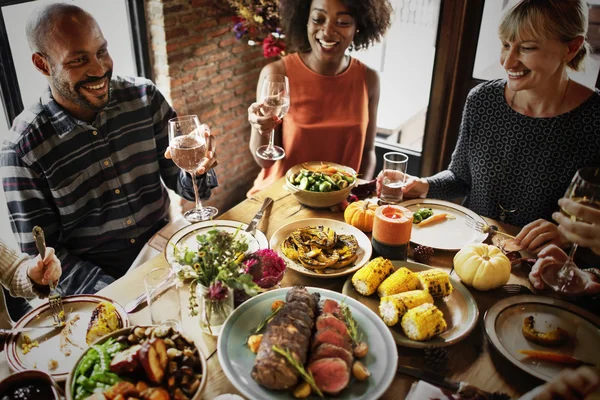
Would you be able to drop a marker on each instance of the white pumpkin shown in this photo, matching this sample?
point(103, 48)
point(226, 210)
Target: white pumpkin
point(482, 266)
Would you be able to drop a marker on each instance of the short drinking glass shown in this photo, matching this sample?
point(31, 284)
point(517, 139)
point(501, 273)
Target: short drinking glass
point(188, 151)
point(275, 99)
point(394, 173)
point(163, 297)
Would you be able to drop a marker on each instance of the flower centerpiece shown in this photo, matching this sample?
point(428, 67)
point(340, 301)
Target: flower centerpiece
point(215, 268)
point(258, 22)
point(266, 268)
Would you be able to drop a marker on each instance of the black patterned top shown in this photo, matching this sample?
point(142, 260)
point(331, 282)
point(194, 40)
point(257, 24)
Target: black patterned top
point(504, 158)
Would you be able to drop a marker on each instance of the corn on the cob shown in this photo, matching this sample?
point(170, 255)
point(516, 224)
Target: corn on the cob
point(436, 282)
point(423, 322)
point(402, 280)
point(368, 278)
point(392, 308)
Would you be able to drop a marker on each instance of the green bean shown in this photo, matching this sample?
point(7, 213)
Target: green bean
point(87, 362)
point(86, 383)
point(107, 378)
point(325, 186)
point(104, 357)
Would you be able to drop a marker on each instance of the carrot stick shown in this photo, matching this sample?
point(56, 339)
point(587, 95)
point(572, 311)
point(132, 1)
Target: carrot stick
point(552, 357)
point(433, 218)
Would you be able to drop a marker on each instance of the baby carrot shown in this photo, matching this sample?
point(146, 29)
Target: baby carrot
point(552, 357)
point(433, 218)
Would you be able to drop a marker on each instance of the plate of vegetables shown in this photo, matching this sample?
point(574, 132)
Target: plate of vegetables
point(443, 225)
point(320, 184)
point(155, 362)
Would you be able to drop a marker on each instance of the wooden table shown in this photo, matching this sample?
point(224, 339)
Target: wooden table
point(472, 360)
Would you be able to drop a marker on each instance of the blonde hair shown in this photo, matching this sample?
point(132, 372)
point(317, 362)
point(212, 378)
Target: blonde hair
point(561, 19)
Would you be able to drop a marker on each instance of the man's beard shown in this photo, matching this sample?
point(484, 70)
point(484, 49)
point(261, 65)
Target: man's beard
point(74, 95)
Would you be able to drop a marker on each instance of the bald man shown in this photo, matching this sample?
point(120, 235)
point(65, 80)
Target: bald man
point(87, 161)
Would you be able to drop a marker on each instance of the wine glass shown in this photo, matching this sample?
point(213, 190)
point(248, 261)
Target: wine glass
point(584, 189)
point(188, 151)
point(275, 99)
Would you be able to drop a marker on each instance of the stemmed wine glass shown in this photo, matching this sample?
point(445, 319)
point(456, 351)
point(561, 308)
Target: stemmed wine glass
point(188, 151)
point(584, 189)
point(275, 99)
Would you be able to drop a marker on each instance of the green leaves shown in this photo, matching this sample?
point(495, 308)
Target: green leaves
point(218, 257)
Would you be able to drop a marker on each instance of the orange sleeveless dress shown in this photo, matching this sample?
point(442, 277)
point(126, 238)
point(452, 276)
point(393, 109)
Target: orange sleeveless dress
point(327, 119)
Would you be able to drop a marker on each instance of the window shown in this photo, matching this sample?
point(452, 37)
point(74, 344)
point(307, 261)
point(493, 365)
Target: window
point(405, 61)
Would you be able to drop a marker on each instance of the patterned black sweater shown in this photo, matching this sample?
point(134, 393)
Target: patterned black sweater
point(504, 159)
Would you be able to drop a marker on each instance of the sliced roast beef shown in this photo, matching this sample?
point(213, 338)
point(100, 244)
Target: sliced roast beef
point(290, 329)
point(332, 375)
point(327, 350)
point(331, 307)
point(325, 321)
point(331, 336)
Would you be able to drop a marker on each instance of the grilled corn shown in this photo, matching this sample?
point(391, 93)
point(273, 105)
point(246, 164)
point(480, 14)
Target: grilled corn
point(423, 322)
point(402, 280)
point(392, 308)
point(104, 320)
point(368, 278)
point(436, 282)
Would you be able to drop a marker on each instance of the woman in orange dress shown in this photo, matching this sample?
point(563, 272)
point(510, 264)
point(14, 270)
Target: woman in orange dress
point(333, 97)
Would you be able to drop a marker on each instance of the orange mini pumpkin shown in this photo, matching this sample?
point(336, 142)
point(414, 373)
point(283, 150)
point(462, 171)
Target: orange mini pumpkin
point(360, 215)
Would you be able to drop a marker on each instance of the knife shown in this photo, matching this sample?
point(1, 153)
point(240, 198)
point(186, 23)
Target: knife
point(252, 225)
point(134, 304)
point(461, 388)
point(4, 332)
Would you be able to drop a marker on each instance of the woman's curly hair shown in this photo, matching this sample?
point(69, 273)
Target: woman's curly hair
point(372, 17)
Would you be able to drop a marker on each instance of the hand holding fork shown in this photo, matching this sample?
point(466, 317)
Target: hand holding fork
point(46, 271)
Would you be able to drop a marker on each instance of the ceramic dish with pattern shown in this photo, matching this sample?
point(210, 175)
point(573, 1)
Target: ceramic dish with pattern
point(237, 360)
point(503, 327)
point(340, 228)
point(49, 348)
point(187, 237)
point(459, 309)
point(449, 234)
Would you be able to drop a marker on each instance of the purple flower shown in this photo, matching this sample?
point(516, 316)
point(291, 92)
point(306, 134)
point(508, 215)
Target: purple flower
point(217, 291)
point(240, 30)
point(266, 267)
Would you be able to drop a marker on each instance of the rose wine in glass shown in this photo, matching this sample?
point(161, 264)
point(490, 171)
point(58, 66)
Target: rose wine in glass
point(275, 99)
point(188, 151)
point(584, 189)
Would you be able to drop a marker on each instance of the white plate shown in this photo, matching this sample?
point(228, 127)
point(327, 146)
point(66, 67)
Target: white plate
point(49, 340)
point(459, 308)
point(503, 322)
point(340, 228)
point(450, 234)
point(186, 236)
point(237, 360)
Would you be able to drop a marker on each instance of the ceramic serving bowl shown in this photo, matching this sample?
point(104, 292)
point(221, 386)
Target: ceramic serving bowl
point(318, 199)
point(30, 381)
point(128, 335)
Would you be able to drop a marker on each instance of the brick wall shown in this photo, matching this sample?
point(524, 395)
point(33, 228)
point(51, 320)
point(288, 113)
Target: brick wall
point(203, 69)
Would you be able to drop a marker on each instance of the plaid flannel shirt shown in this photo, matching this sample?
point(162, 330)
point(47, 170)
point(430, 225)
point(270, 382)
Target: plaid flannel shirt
point(95, 188)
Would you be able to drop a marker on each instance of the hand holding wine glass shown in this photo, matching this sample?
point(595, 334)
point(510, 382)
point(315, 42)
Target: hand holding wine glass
point(585, 229)
point(274, 103)
point(584, 189)
point(191, 147)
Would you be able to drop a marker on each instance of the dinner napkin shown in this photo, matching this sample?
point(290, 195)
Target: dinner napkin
point(422, 390)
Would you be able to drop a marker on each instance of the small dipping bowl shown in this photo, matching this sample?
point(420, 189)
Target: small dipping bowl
point(30, 384)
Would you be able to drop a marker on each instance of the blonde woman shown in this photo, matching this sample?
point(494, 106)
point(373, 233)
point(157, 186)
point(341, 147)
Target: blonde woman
point(523, 137)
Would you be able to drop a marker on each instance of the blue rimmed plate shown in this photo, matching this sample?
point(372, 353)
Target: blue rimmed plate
point(237, 360)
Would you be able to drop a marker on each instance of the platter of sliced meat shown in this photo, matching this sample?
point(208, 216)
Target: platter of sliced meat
point(307, 342)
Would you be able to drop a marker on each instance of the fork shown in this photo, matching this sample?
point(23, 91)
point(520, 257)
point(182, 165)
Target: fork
point(54, 299)
point(485, 228)
point(513, 288)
